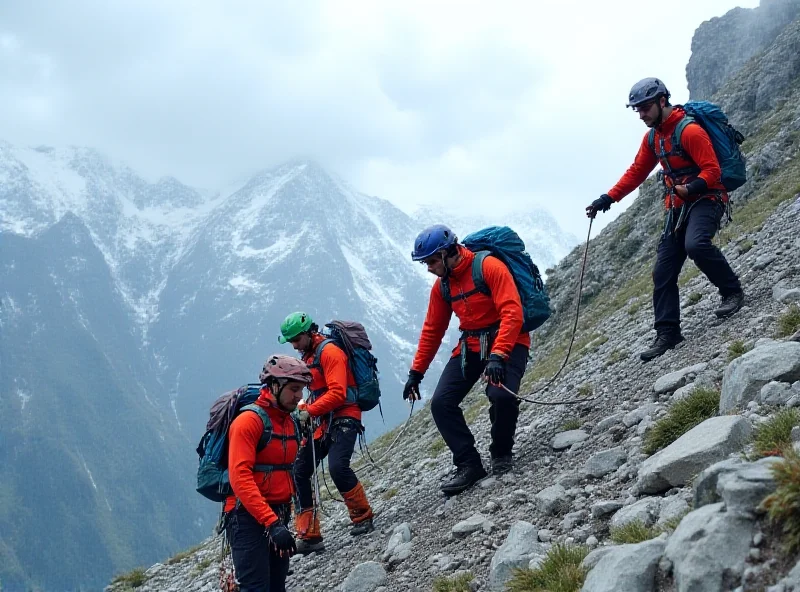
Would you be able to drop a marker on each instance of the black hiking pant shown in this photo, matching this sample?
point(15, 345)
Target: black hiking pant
point(258, 568)
point(337, 445)
point(693, 240)
point(454, 385)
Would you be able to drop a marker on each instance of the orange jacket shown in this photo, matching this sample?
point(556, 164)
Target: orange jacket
point(478, 311)
point(330, 380)
point(694, 141)
point(257, 490)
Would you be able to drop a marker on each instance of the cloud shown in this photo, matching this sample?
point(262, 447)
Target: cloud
point(461, 104)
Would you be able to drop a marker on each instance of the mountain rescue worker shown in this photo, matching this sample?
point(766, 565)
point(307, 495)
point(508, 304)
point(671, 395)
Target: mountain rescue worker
point(338, 427)
point(259, 511)
point(695, 202)
point(492, 344)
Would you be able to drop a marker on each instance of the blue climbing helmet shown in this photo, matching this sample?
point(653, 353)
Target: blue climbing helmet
point(432, 239)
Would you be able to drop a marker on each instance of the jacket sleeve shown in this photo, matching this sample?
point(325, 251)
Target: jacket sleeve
point(697, 144)
point(243, 437)
point(435, 326)
point(505, 297)
point(637, 173)
point(334, 369)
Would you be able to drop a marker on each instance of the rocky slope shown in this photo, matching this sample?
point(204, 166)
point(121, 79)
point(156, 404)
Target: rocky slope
point(581, 470)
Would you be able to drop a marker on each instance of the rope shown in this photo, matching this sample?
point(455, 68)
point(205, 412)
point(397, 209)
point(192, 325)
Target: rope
point(550, 382)
point(371, 462)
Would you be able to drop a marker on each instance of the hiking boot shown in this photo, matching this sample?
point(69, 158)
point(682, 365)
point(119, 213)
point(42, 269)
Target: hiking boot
point(464, 478)
point(306, 546)
point(362, 527)
point(730, 304)
point(502, 464)
point(663, 342)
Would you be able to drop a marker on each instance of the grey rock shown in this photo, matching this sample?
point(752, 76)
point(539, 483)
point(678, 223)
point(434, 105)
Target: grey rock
point(672, 508)
point(476, 522)
point(626, 568)
point(633, 417)
point(519, 548)
point(762, 261)
point(646, 511)
point(566, 439)
point(675, 380)
point(709, 548)
point(605, 462)
point(785, 295)
point(700, 447)
point(684, 392)
point(604, 508)
point(365, 577)
point(795, 434)
point(545, 535)
point(595, 556)
point(605, 424)
point(552, 500)
point(746, 375)
point(775, 393)
point(744, 489)
point(572, 519)
point(705, 484)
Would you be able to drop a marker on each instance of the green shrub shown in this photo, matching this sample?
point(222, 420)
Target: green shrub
point(634, 532)
point(616, 356)
point(560, 571)
point(772, 436)
point(390, 493)
point(745, 246)
point(460, 583)
point(133, 578)
point(789, 322)
point(694, 298)
point(685, 414)
point(573, 423)
point(437, 445)
point(585, 390)
point(783, 506)
point(736, 349)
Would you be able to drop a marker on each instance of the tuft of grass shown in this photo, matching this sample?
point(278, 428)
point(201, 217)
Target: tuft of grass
point(560, 571)
point(437, 446)
point(783, 505)
point(460, 583)
point(688, 274)
point(789, 322)
point(736, 349)
point(616, 356)
point(635, 307)
point(745, 246)
point(178, 557)
point(683, 416)
point(573, 423)
point(774, 435)
point(203, 565)
point(473, 411)
point(694, 298)
point(133, 578)
point(585, 390)
point(634, 532)
point(390, 493)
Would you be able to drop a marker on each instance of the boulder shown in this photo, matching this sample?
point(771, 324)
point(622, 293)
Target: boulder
point(520, 547)
point(746, 375)
point(709, 548)
point(646, 511)
point(744, 489)
point(626, 568)
point(475, 523)
point(365, 577)
point(605, 462)
point(675, 380)
point(775, 393)
point(552, 500)
point(705, 484)
point(566, 439)
point(707, 443)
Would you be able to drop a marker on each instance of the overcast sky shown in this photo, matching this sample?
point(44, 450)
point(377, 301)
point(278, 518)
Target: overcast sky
point(449, 103)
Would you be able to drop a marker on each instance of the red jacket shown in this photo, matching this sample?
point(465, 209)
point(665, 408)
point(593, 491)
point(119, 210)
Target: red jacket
point(477, 311)
point(330, 381)
point(257, 490)
point(694, 141)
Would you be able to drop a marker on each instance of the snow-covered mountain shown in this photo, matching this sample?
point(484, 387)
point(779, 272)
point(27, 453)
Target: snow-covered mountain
point(157, 297)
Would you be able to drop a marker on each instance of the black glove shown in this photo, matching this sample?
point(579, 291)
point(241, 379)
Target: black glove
point(411, 389)
point(281, 539)
point(601, 204)
point(495, 369)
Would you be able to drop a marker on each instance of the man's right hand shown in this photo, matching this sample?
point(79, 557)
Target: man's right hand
point(411, 389)
point(602, 204)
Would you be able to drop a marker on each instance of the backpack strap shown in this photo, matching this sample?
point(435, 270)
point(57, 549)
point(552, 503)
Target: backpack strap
point(675, 149)
point(477, 279)
point(267, 434)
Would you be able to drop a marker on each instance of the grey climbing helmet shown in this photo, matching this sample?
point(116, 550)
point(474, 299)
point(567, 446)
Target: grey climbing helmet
point(647, 89)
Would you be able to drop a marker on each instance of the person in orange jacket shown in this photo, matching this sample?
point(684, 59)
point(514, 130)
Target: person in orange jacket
point(338, 425)
point(258, 512)
point(695, 201)
point(492, 344)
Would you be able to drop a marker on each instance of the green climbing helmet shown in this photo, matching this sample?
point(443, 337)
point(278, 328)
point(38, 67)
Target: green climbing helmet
point(293, 325)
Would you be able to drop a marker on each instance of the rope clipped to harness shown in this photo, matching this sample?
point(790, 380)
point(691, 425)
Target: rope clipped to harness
point(369, 461)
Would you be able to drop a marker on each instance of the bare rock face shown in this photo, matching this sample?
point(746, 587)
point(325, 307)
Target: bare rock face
point(723, 45)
